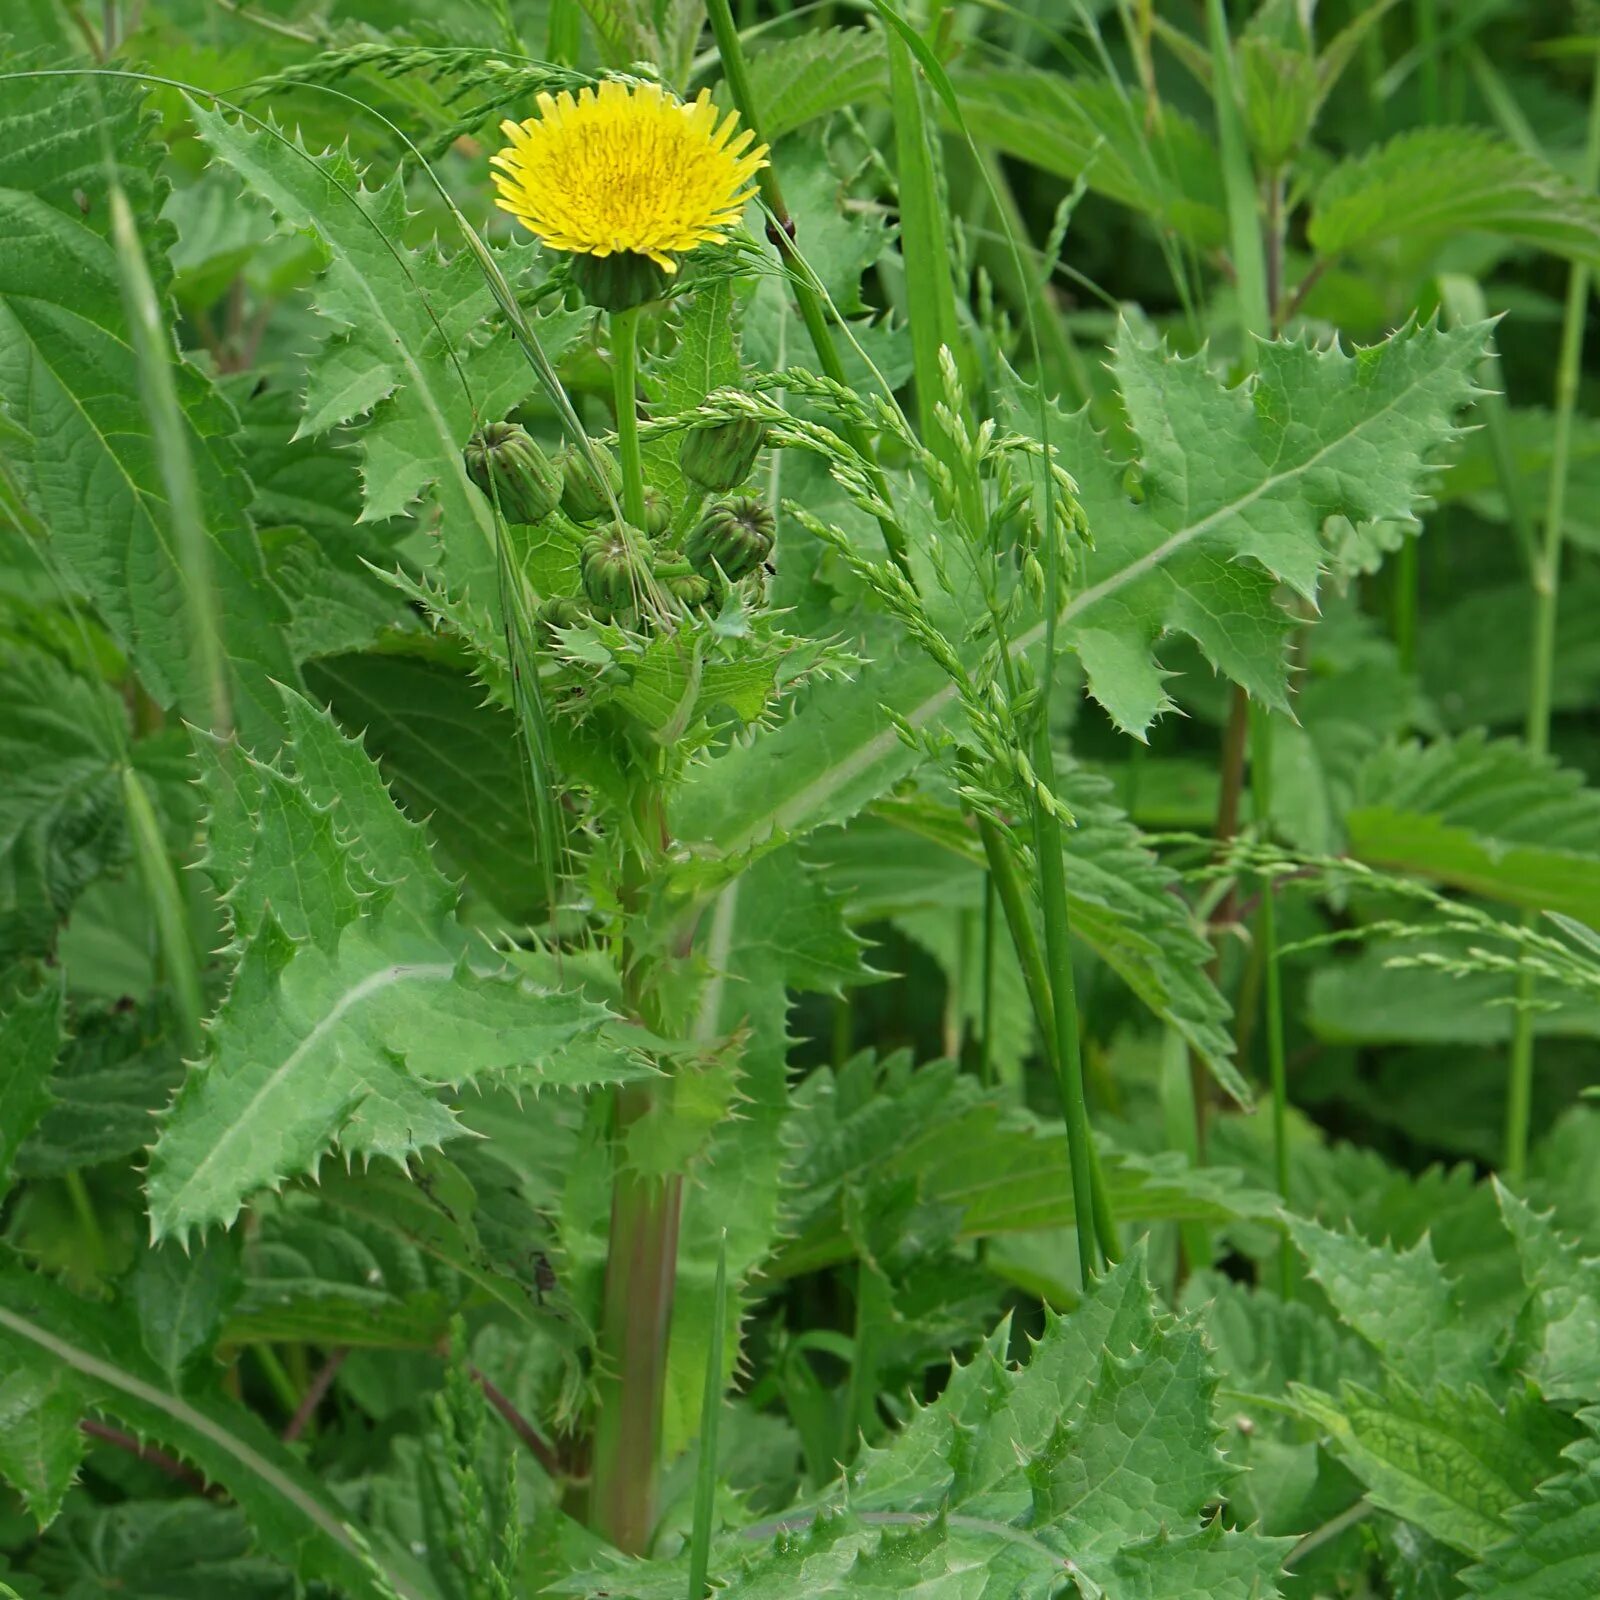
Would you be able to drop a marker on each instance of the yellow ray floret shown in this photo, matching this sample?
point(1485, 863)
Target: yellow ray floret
point(627, 169)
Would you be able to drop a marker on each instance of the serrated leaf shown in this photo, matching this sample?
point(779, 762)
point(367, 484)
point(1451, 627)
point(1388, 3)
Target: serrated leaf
point(1430, 183)
point(1489, 817)
point(1553, 1548)
point(1561, 1324)
point(97, 1355)
point(1451, 1460)
point(1091, 1463)
point(61, 809)
point(1237, 486)
point(409, 325)
point(356, 1002)
point(89, 468)
point(1078, 126)
point(1401, 1302)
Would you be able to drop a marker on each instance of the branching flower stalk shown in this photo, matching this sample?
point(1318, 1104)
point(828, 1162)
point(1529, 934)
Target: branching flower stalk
point(624, 179)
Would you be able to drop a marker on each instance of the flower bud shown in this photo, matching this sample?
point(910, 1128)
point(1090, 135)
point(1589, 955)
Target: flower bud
point(507, 465)
point(561, 611)
point(657, 514)
point(620, 281)
point(734, 536)
point(693, 591)
point(582, 498)
point(611, 569)
point(720, 458)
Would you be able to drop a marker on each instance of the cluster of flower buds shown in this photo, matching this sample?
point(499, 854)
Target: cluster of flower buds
point(620, 564)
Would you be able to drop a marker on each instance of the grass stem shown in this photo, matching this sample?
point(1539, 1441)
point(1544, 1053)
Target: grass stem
point(1546, 604)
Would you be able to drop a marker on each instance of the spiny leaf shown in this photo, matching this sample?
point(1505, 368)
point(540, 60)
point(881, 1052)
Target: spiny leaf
point(356, 1003)
point(406, 349)
point(1561, 1324)
point(1094, 1461)
point(1400, 1302)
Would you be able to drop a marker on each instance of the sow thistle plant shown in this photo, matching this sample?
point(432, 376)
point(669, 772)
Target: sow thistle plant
point(528, 786)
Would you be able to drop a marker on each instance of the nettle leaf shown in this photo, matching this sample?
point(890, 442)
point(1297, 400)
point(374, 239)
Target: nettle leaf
point(90, 1359)
point(797, 80)
point(1553, 1549)
point(863, 1136)
point(704, 358)
point(409, 347)
point(180, 1299)
point(1097, 1460)
point(61, 808)
point(1490, 817)
point(1431, 183)
point(30, 1040)
point(88, 465)
point(358, 998)
point(1450, 1460)
point(1090, 128)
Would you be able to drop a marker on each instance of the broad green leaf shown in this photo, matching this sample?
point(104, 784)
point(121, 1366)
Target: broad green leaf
point(1432, 183)
point(1450, 1460)
point(61, 810)
point(408, 345)
point(1552, 1551)
point(89, 464)
point(95, 1356)
point(1098, 1458)
point(359, 1000)
point(30, 1040)
point(1560, 1328)
point(1490, 818)
point(1083, 127)
point(180, 1299)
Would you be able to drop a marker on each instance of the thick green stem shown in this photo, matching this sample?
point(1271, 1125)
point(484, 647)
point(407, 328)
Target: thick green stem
point(625, 386)
point(641, 1260)
point(808, 291)
point(640, 1272)
point(1546, 598)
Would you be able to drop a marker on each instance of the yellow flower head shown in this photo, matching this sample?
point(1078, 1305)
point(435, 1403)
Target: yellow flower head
point(627, 170)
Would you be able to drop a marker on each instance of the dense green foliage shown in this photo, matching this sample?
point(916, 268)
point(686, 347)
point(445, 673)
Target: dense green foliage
point(921, 920)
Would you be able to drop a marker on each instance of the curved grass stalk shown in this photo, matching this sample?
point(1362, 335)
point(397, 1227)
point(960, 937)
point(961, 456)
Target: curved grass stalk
point(1546, 604)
